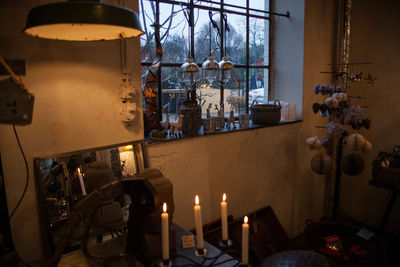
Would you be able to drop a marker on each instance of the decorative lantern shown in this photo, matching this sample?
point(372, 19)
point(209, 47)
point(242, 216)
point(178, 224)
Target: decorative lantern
point(321, 163)
point(190, 73)
point(210, 70)
point(352, 164)
point(226, 68)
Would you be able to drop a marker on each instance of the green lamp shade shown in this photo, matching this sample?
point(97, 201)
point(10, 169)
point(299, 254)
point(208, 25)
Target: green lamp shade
point(82, 21)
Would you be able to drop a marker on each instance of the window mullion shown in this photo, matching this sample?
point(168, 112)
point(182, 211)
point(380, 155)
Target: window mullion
point(159, 81)
point(221, 23)
point(247, 54)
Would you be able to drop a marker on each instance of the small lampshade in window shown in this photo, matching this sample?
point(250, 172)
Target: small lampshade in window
point(225, 69)
point(190, 73)
point(210, 70)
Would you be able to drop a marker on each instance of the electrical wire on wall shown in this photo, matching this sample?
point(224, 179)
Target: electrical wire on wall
point(27, 175)
point(25, 189)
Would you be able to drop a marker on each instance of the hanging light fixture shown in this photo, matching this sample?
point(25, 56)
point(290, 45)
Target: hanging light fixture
point(190, 73)
point(210, 70)
point(225, 69)
point(88, 20)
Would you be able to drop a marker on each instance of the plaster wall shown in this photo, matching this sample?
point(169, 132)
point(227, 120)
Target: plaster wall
point(375, 38)
point(77, 106)
point(287, 54)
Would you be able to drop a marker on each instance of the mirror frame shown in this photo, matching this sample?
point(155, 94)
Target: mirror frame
point(46, 234)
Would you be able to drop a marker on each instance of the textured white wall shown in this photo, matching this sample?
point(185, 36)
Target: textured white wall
point(288, 53)
point(76, 88)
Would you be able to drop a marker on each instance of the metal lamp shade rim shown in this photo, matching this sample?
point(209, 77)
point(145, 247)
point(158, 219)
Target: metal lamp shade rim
point(210, 64)
point(189, 67)
point(225, 64)
point(108, 21)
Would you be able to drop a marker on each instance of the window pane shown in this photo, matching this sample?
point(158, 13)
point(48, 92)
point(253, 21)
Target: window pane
point(258, 41)
point(241, 3)
point(173, 94)
point(236, 87)
point(174, 33)
point(260, 5)
point(235, 40)
point(258, 86)
point(206, 36)
point(147, 43)
point(208, 97)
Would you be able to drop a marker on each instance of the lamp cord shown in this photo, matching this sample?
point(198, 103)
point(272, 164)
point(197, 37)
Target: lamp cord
point(23, 193)
point(27, 174)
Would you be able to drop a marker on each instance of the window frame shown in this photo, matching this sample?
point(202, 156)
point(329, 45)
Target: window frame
point(222, 9)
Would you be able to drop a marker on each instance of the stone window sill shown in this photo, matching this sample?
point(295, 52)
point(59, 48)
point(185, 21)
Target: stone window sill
point(169, 138)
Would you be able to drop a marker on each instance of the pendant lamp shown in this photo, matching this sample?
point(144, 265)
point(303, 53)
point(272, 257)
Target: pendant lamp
point(225, 69)
point(210, 70)
point(190, 73)
point(88, 20)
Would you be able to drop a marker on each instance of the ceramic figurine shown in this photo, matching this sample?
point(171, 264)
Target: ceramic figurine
point(222, 115)
point(165, 124)
point(219, 123)
point(208, 110)
point(175, 128)
point(231, 120)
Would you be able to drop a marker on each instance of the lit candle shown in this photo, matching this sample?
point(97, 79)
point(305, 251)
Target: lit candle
point(165, 233)
point(83, 189)
point(224, 218)
point(199, 224)
point(245, 241)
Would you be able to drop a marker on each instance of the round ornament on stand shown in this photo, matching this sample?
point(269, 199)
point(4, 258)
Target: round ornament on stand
point(321, 163)
point(352, 164)
point(356, 141)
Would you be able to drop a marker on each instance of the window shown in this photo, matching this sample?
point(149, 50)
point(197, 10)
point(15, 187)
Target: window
point(237, 29)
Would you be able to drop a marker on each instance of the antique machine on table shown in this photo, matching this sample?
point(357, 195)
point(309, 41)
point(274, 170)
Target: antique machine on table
point(79, 216)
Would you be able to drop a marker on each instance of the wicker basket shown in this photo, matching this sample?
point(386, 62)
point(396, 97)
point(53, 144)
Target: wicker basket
point(382, 175)
point(266, 113)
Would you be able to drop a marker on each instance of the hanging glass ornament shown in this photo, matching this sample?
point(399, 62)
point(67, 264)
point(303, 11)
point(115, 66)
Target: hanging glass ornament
point(226, 68)
point(210, 69)
point(190, 73)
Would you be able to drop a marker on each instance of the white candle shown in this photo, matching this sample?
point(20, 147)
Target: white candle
point(199, 224)
point(245, 241)
point(224, 218)
point(165, 233)
point(83, 189)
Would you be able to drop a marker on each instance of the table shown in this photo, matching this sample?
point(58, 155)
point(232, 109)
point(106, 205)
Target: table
point(183, 256)
point(395, 191)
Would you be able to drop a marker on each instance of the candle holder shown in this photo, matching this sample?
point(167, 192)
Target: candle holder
point(165, 263)
point(200, 252)
point(225, 243)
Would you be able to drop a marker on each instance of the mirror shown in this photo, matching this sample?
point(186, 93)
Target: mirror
point(63, 180)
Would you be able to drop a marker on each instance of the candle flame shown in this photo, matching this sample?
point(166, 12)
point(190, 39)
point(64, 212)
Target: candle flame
point(129, 147)
point(164, 207)
point(224, 197)
point(196, 200)
point(79, 171)
point(246, 220)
